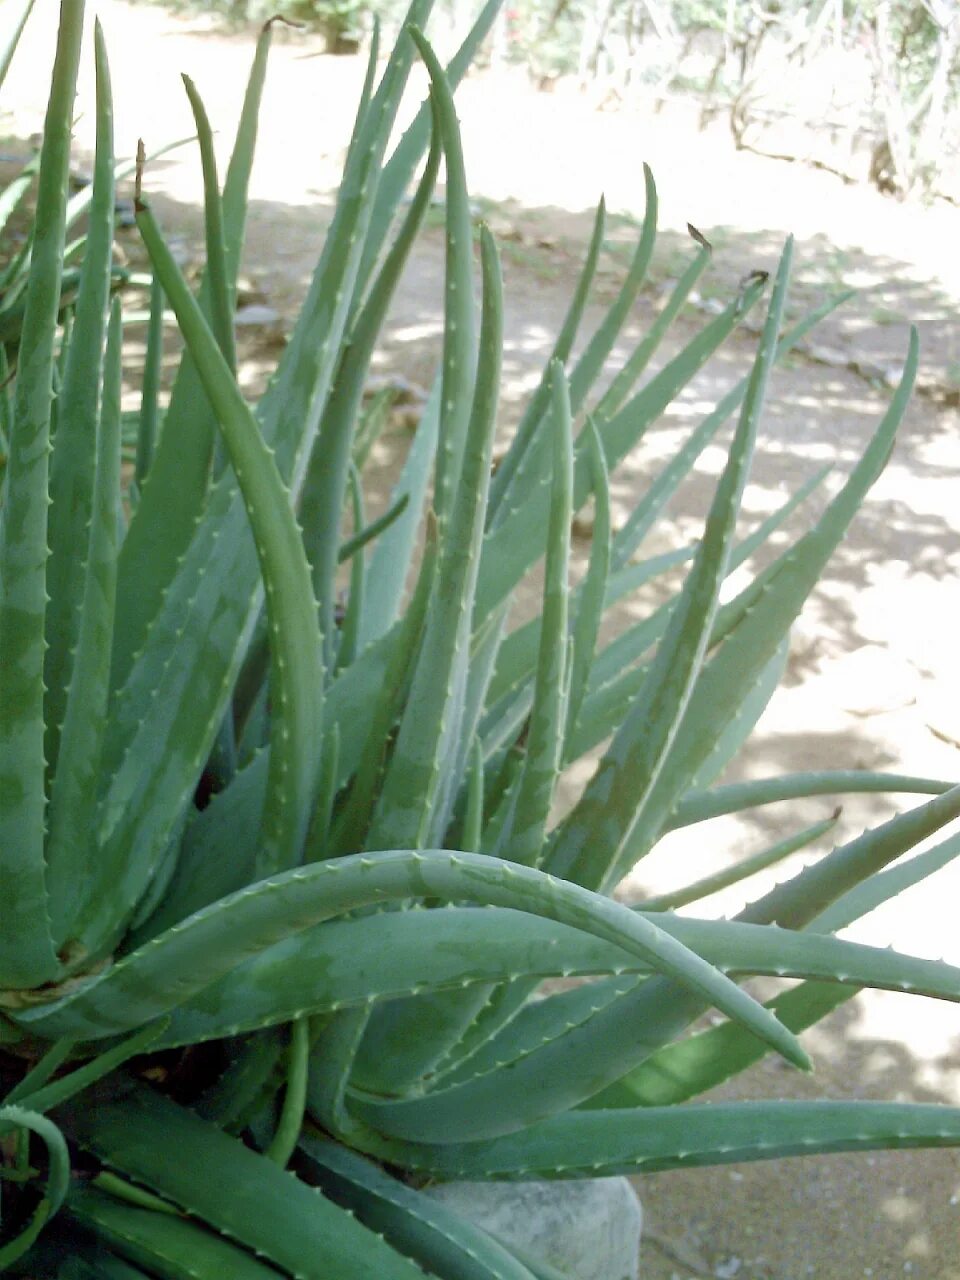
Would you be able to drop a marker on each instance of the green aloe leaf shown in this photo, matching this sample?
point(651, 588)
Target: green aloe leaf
point(626, 379)
point(884, 885)
point(417, 1226)
point(218, 281)
point(689, 1067)
point(58, 1178)
point(295, 642)
point(588, 846)
point(399, 170)
point(422, 755)
point(514, 545)
point(699, 806)
point(741, 870)
point(605, 1143)
point(149, 422)
point(590, 600)
point(539, 402)
point(10, 48)
point(547, 723)
point(326, 481)
point(43, 1097)
point(244, 1197)
point(457, 380)
point(73, 796)
point(168, 1245)
point(795, 904)
point(27, 956)
point(393, 555)
point(170, 504)
point(80, 495)
point(591, 362)
point(772, 606)
point(168, 970)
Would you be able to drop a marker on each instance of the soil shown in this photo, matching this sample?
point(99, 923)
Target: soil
point(871, 680)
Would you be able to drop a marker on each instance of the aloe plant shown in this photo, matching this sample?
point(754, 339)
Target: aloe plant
point(246, 836)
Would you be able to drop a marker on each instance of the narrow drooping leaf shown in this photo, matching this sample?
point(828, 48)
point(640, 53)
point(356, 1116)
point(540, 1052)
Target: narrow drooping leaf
point(165, 972)
point(57, 1181)
point(605, 1143)
point(737, 796)
point(741, 870)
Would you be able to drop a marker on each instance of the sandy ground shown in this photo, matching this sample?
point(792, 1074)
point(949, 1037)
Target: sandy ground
point(871, 680)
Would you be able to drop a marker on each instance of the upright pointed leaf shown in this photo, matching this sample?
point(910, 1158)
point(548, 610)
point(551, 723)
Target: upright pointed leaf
point(27, 957)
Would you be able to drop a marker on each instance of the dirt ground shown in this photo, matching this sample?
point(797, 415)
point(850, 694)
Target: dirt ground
point(872, 678)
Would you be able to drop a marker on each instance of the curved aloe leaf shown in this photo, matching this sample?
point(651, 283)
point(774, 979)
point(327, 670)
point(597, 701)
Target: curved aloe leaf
point(420, 1228)
point(604, 1143)
point(689, 1067)
point(458, 331)
point(58, 1179)
point(166, 971)
point(737, 796)
point(737, 871)
point(217, 274)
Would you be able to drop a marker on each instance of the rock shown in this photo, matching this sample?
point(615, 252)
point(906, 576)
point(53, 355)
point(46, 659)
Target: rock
point(589, 1230)
point(263, 323)
point(258, 316)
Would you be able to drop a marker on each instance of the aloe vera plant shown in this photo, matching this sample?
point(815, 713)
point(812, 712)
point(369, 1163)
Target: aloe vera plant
point(280, 883)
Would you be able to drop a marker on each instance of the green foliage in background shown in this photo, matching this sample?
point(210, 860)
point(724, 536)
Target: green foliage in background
point(280, 864)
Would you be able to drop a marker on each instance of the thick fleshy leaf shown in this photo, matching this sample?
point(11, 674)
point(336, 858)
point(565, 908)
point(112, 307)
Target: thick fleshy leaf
point(596, 1144)
point(27, 956)
point(416, 1225)
point(219, 1181)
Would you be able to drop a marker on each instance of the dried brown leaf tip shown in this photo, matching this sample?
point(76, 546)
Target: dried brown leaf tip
point(700, 238)
point(138, 175)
